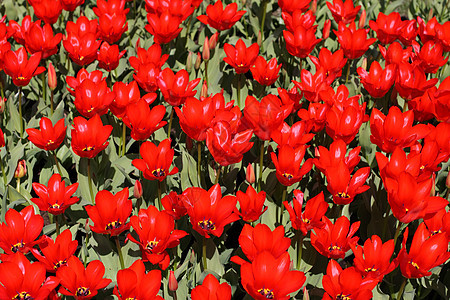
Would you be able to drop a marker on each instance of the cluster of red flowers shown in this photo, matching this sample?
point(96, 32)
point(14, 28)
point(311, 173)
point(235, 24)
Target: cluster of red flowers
point(332, 119)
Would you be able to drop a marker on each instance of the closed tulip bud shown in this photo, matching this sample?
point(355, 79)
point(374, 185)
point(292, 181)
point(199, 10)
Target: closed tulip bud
point(173, 283)
point(192, 257)
point(317, 152)
point(305, 294)
point(198, 61)
point(52, 77)
point(206, 54)
point(433, 185)
point(314, 7)
point(213, 40)
point(259, 39)
point(250, 174)
point(430, 14)
point(2, 104)
point(204, 92)
point(189, 62)
point(326, 29)
point(137, 192)
point(362, 19)
point(447, 181)
point(21, 169)
point(364, 63)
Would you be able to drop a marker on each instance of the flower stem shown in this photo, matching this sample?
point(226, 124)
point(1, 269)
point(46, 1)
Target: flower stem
point(3, 172)
point(18, 185)
point(397, 232)
point(124, 137)
point(299, 249)
point(283, 198)
point(51, 103)
point(263, 20)
point(56, 219)
point(239, 90)
point(170, 123)
point(199, 161)
point(44, 88)
point(206, 73)
point(218, 175)
point(159, 195)
point(204, 254)
point(119, 251)
point(402, 288)
point(90, 181)
point(56, 162)
point(261, 162)
point(20, 110)
point(348, 70)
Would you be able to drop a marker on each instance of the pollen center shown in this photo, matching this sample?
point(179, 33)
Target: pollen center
point(159, 173)
point(23, 296)
point(113, 225)
point(50, 142)
point(59, 264)
point(288, 176)
point(414, 265)
point(151, 245)
point(343, 195)
point(83, 291)
point(16, 247)
point(88, 148)
point(371, 269)
point(55, 206)
point(207, 225)
point(343, 297)
point(267, 293)
point(334, 248)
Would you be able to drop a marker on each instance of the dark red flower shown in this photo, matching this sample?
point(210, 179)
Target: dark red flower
point(80, 282)
point(301, 41)
point(56, 253)
point(110, 212)
point(21, 279)
point(126, 94)
point(55, 198)
point(251, 204)
point(240, 57)
point(156, 160)
point(47, 10)
point(310, 218)
point(81, 41)
point(211, 289)
point(164, 27)
point(208, 211)
point(266, 73)
point(426, 252)
point(334, 240)
point(20, 230)
point(343, 11)
point(173, 205)
point(156, 234)
point(134, 283)
point(221, 18)
point(387, 27)
point(93, 98)
point(378, 81)
point(89, 137)
point(142, 120)
point(21, 69)
point(288, 164)
point(109, 56)
point(41, 39)
point(48, 138)
point(353, 41)
point(176, 88)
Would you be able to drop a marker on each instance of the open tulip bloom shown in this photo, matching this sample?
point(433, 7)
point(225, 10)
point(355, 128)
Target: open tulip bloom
point(131, 169)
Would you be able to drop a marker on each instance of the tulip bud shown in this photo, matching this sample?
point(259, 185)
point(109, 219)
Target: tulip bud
point(173, 283)
point(189, 62)
point(250, 174)
point(326, 29)
point(52, 77)
point(316, 152)
point(2, 105)
point(137, 192)
point(198, 61)
point(433, 186)
point(206, 53)
point(430, 14)
point(204, 92)
point(21, 169)
point(314, 7)
point(362, 19)
point(305, 294)
point(192, 257)
point(259, 39)
point(447, 181)
point(213, 40)
point(364, 63)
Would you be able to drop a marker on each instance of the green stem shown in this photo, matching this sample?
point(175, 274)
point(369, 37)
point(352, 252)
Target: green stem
point(51, 103)
point(124, 137)
point(56, 162)
point(119, 251)
point(199, 161)
point(263, 20)
point(90, 181)
point(261, 162)
point(170, 123)
point(402, 289)
point(204, 254)
point(283, 198)
point(44, 87)
point(18, 185)
point(159, 195)
point(299, 249)
point(348, 70)
point(206, 73)
point(218, 175)
point(56, 217)
point(239, 90)
point(3, 172)
point(397, 232)
point(20, 111)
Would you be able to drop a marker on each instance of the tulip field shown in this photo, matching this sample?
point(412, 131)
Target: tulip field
point(230, 149)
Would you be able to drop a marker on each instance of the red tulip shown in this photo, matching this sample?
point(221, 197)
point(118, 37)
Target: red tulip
point(56, 253)
point(93, 98)
point(70, 5)
point(411, 81)
point(312, 85)
point(156, 160)
point(173, 283)
point(20, 230)
point(48, 138)
point(342, 284)
point(221, 18)
point(176, 88)
point(80, 282)
point(173, 205)
point(430, 56)
point(134, 283)
point(343, 11)
point(301, 41)
point(315, 209)
point(208, 211)
point(294, 136)
point(353, 41)
point(21, 279)
point(112, 19)
point(292, 96)
point(326, 159)
point(290, 6)
point(164, 27)
point(211, 289)
point(109, 56)
point(21, 169)
point(240, 57)
point(179, 8)
point(41, 39)
point(126, 94)
point(298, 18)
point(21, 69)
point(47, 10)
point(440, 221)
point(409, 32)
point(288, 164)
point(315, 115)
point(387, 27)
point(2, 139)
point(55, 198)
point(334, 240)
point(142, 120)
point(443, 36)
point(89, 137)
point(18, 31)
point(156, 233)
point(426, 252)
point(265, 73)
point(378, 81)
point(251, 204)
point(333, 63)
point(95, 76)
point(81, 41)
point(51, 80)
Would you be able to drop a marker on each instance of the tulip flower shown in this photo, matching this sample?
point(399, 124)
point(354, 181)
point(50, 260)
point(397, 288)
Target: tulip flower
point(80, 282)
point(411, 81)
point(22, 279)
point(328, 158)
point(426, 252)
point(176, 88)
point(96, 76)
point(395, 54)
point(240, 57)
point(315, 115)
point(387, 27)
point(313, 84)
point(211, 289)
point(112, 19)
point(21, 69)
point(93, 98)
point(353, 41)
point(301, 41)
point(378, 81)
point(334, 240)
point(126, 94)
point(208, 211)
point(173, 205)
point(70, 5)
point(108, 56)
point(156, 160)
point(134, 283)
point(18, 31)
point(342, 284)
point(291, 97)
point(81, 42)
point(110, 212)
point(156, 233)
point(47, 10)
point(55, 198)
point(265, 73)
point(427, 31)
point(20, 230)
point(440, 221)
point(89, 137)
point(430, 56)
point(374, 259)
point(164, 27)
point(221, 18)
point(343, 122)
point(52, 80)
point(443, 35)
point(142, 120)
point(48, 138)
point(55, 253)
point(343, 11)
point(298, 18)
point(251, 204)
point(41, 39)
point(173, 283)
point(288, 164)
point(409, 32)
point(250, 174)
point(310, 218)
point(2, 139)
point(290, 6)
point(332, 63)
point(179, 8)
